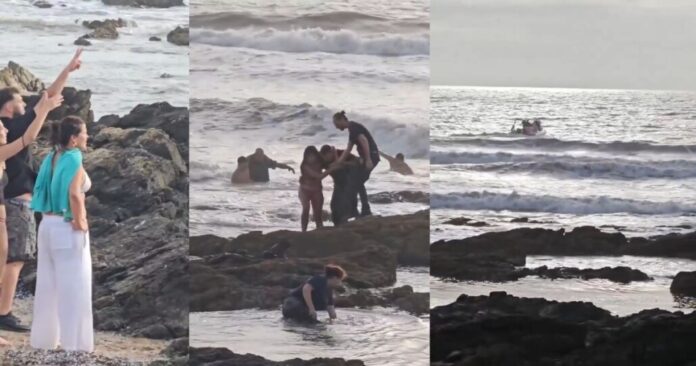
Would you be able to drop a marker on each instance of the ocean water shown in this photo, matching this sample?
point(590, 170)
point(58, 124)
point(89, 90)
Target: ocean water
point(121, 73)
point(377, 336)
point(620, 299)
point(271, 74)
point(620, 160)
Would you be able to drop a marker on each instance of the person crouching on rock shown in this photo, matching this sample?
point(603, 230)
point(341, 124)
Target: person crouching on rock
point(314, 295)
point(63, 300)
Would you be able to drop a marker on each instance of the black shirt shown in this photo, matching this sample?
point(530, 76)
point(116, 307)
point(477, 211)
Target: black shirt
point(340, 176)
point(258, 168)
point(20, 168)
point(322, 294)
point(355, 129)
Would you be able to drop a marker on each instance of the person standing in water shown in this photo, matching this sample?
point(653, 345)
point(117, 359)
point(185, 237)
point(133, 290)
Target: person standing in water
point(311, 190)
point(314, 295)
point(41, 110)
point(359, 136)
point(397, 164)
point(63, 299)
point(241, 174)
point(259, 164)
point(21, 174)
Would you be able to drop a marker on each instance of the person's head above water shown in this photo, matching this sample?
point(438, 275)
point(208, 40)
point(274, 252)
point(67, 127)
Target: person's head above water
point(399, 157)
point(258, 151)
point(70, 133)
point(340, 120)
point(11, 103)
point(311, 155)
point(334, 275)
point(241, 160)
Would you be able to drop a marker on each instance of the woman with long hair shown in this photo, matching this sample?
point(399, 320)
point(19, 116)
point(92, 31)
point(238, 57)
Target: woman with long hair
point(41, 110)
point(311, 191)
point(63, 300)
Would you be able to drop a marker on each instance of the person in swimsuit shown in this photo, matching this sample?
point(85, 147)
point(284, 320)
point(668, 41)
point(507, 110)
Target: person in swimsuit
point(63, 299)
point(241, 174)
point(259, 164)
point(313, 295)
point(397, 164)
point(41, 110)
point(311, 190)
point(360, 137)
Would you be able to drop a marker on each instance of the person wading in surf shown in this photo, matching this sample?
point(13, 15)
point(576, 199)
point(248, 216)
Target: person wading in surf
point(259, 164)
point(397, 163)
point(314, 295)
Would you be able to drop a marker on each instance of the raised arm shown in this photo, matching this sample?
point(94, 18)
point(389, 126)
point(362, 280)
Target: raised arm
point(77, 201)
point(389, 158)
point(42, 108)
point(346, 152)
point(58, 85)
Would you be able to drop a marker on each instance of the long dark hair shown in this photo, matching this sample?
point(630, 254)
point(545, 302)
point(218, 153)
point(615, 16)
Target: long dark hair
point(311, 150)
point(62, 131)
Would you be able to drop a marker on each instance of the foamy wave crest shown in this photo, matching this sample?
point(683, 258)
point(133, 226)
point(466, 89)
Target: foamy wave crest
point(569, 166)
point(201, 172)
point(316, 40)
point(546, 203)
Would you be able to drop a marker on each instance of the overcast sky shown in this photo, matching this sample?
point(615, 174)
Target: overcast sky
point(617, 44)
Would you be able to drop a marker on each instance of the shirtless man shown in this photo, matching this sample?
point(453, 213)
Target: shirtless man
point(397, 163)
point(259, 164)
point(241, 174)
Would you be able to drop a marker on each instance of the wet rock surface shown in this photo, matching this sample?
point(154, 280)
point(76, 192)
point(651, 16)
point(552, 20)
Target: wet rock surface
point(684, 284)
point(496, 256)
point(501, 329)
point(223, 356)
point(403, 298)
point(248, 272)
point(179, 36)
point(138, 215)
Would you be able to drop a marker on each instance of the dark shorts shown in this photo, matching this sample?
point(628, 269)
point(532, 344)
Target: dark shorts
point(21, 231)
point(294, 308)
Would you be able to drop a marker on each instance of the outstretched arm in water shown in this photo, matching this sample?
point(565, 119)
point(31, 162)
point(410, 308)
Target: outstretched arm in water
point(58, 85)
point(45, 105)
point(307, 295)
point(390, 159)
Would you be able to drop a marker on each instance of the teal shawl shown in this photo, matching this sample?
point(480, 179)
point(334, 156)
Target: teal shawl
point(52, 189)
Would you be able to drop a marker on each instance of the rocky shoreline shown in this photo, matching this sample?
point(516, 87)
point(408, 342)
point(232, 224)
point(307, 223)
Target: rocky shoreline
point(138, 212)
point(223, 356)
point(502, 329)
point(500, 256)
point(237, 273)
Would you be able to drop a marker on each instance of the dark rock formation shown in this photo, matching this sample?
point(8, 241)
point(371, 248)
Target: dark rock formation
point(82, 41)
point(145, 3)
point(619, 274)
point(42, 4)
point(465, 221)
point(401, 196)
point(684, 284)
point(233, 274)
point(224, 357)
point(505, 330)
point(14, 75)
point(155, 39)
point(403, 298)
point(179, 36)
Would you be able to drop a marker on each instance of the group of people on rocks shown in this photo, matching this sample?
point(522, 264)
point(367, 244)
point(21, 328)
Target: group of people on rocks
point(348, 171)
point(62, 312)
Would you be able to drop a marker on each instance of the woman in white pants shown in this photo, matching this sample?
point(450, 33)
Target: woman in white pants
point(63, 301)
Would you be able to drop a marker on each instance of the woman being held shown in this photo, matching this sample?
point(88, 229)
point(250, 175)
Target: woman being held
point(41, 109)
point(311, 192)
point(63, 301)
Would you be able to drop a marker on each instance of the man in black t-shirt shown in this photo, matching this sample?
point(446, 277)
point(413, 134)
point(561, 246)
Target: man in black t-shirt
point(259, 164)
point(21, 172)
point(359, 136)
point(313, 295)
